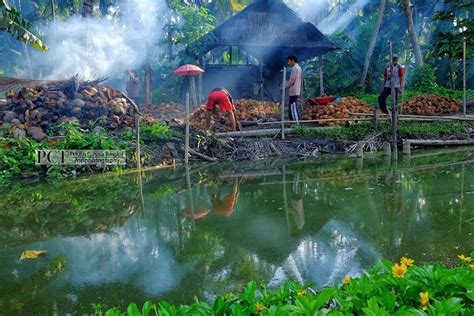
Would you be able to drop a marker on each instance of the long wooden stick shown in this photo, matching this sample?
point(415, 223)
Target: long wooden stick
point(407, 60)
point(137, 154)
point(186, 140)
point(283, 90)
point(394, 106)
point(464, 76)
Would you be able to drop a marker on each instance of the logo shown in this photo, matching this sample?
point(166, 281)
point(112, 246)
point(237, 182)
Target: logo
point(79, 157)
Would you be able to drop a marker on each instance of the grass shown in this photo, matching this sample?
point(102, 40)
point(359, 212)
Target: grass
point(406, 129)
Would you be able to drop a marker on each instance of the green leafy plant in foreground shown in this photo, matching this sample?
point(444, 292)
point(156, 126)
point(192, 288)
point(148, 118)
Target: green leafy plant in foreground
point(387, 289)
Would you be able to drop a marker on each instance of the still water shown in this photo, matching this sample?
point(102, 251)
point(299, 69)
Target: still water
point(178, 233)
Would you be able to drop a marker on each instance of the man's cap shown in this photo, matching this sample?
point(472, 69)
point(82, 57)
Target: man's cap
point(394, 56)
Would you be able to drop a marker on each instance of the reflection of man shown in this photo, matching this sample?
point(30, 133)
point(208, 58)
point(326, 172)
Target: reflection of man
point(223, 201)
point(296, 207)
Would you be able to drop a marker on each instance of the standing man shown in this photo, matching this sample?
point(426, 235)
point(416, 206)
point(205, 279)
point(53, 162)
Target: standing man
point(294, 86)
point(223, 99)
point(398, 81)
point(132, 86)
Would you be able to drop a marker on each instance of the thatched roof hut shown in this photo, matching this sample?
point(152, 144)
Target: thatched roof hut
point(268, 30)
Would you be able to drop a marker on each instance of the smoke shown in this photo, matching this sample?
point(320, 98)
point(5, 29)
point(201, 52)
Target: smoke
point(337, 21)
point(325, 14)
point(93, 47)
point(309, 10)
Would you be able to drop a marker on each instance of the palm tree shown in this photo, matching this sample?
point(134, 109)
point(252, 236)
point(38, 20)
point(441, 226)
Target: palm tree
point(373, 40)
point(12, 22)
point(411, 32)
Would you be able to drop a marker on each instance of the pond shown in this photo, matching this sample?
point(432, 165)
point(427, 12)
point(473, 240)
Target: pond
point(208, 230)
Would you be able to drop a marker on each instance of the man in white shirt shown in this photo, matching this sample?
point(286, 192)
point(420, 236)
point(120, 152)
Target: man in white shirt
point(294, 86)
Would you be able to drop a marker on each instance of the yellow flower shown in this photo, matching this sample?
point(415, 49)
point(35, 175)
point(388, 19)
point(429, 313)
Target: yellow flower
point(229, 295)
point(424, 300)
point(407, 262)
point(464, 258)
point(472, 265)
point(259, 307)
point(301, 292)
point(346, 280)
point(399, 271)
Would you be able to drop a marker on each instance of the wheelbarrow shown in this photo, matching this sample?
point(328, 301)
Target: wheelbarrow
point(321, 100)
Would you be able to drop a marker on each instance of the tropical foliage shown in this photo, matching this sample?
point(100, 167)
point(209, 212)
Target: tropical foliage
point(12, 21)
point(400, 288)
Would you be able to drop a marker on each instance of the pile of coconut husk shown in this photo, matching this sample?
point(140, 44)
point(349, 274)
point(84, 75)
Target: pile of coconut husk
point(337, 110)
point(246, 110)
point(168, 113)
point(34, 110)
point(431, 104)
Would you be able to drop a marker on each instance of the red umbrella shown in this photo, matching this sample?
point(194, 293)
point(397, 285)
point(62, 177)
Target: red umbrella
point(188, 70)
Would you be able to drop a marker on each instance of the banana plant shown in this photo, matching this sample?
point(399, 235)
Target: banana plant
point(12, 21)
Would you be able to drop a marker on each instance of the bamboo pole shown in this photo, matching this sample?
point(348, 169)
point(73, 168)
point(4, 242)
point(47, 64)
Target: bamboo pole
point(282, 109)
point(321, 79)
point(186, 140)
point(394, 106)
point(407, 60)
point(464, 102)
point(137, 130)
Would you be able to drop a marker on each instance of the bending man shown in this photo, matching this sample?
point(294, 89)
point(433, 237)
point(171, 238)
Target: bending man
point(223, 99)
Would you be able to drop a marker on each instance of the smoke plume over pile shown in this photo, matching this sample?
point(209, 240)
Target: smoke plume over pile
point(95, 47)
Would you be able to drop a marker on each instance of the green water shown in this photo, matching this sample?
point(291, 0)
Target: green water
point(174, 234)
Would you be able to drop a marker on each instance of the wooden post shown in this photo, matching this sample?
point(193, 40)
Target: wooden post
point(406, 148)
point(394, 106)
point(190, 189)
point(360, 150)
point(261, 81)
point(148, 94)
point(407, 53)
point(464, 101)
point(283, 97)
point(137, 154)
point(376, 116)
point(193, 92)
point(186, 140)
point(387, 150)
point(321, 78)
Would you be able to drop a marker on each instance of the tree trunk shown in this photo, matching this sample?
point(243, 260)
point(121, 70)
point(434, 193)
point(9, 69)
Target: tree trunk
point(373, 40)
point(411, 32)
point(87, 8)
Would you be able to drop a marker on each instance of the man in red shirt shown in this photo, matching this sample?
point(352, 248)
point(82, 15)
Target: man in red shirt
point(222, 98)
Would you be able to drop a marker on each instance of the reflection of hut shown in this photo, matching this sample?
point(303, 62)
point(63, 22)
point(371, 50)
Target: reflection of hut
point(245, 53)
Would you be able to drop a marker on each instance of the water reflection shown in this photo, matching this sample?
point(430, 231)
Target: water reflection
point(205, 231)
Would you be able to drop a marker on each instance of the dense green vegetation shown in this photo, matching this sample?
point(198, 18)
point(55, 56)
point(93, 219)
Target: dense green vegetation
point(406, 129)
point(387, 289)
point(17, 156)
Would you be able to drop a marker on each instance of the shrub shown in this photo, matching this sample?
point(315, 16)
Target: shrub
point(400, 289)
point(423, 79)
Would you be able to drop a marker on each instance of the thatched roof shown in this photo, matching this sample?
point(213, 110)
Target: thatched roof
point(268, 30)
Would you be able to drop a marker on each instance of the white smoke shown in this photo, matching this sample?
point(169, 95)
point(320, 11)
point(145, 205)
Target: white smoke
point(325, 15)
point(336, 21)
point(95, 47)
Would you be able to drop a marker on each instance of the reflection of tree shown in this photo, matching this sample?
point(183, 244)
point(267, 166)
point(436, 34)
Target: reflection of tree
point(14, 297)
